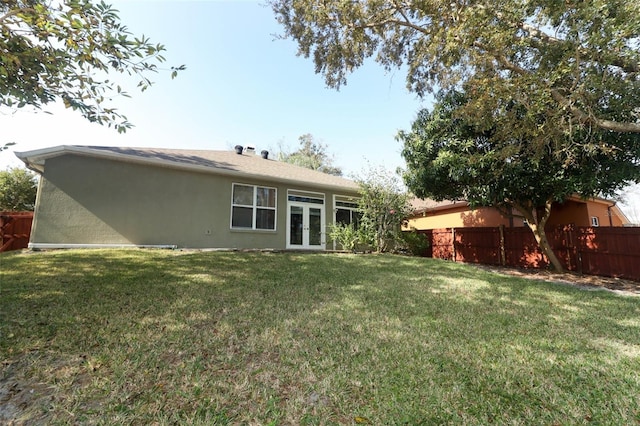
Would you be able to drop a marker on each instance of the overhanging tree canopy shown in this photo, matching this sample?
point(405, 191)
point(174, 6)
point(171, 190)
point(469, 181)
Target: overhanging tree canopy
point(67, 50)
point(577, 62)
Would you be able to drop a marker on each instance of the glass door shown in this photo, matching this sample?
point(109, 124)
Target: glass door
point(296, 225)
point(305, 226)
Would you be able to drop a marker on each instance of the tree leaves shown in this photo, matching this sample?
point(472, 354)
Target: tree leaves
point(311, 155)
point(64, 50)
point(18, 188)
point(384, 206)
point(577, 62)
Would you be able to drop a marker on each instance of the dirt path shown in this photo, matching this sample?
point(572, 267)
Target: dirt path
point(587, 282)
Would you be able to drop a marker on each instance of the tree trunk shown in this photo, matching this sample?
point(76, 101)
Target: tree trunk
point(537, 227)
point(541, 237)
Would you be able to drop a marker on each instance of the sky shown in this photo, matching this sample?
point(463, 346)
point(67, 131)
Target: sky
point(242, 86)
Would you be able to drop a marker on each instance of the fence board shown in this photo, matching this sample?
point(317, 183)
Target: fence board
point(521, 249)
point(606, 251)
point(611, 252)
point(441, 244)
point(15, 229)
point(478, 245)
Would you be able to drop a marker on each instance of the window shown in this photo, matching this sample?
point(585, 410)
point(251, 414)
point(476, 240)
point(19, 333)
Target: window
point(595, 221)
point(253, 207)
point(305, 197)
point(346, 209)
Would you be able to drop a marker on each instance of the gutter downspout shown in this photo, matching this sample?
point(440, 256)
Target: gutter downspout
point(609, 213)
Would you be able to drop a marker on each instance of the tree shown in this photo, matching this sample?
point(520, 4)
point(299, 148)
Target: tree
point(18, 188)
point(575, 62)
point(312, 155)
point(66, 50)
point(384, 206)
point(450, 157)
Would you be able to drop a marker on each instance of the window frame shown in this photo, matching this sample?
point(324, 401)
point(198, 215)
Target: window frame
point(339, 203)
point(254, 208)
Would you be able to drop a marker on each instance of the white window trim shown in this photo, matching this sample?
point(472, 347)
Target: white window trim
point(305, 194)
point(346, 199)
point(255, 207)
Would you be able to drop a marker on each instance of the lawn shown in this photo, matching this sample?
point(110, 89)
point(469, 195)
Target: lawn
point(171, 337)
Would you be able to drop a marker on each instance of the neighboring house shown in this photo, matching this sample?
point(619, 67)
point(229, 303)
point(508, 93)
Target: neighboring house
point(91, 196)
point(429, 214)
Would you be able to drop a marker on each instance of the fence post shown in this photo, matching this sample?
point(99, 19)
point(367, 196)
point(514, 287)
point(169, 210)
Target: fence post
point(576, 247)
point(453, 244)
point(503, 255)
point(5, 232)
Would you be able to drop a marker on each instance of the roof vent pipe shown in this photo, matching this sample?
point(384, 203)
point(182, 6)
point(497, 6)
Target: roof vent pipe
point(238, 149)
point(265, 154)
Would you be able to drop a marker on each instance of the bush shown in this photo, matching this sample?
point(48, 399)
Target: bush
point(345, 235)
point(18, 187)
point(384, 207)
point(415, 242)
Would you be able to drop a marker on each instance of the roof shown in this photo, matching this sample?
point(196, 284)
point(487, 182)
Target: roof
point(216, 162)
point(420, 206)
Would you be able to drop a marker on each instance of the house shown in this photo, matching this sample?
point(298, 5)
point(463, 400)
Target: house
point(96, 196)
point(430, 214)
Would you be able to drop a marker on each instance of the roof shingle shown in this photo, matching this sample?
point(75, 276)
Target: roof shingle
point(223, 162)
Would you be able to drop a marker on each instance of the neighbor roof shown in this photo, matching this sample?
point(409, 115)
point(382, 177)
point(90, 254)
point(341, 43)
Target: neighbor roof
point(420, 206)
point(217, 162)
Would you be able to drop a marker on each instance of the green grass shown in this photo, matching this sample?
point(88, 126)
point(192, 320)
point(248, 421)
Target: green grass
point(162, 337)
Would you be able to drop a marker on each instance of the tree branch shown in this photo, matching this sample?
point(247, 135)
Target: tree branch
point(547, 213)
point(405, 22)
point(536, 33)
point(618, 61)
point(583, 117)
point(590, 119)
point(9, 14)
point(526, 213)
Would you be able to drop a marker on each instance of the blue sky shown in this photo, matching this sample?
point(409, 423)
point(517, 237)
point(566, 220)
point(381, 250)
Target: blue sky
point(242, 86)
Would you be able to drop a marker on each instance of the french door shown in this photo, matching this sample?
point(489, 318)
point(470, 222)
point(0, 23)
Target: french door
point(305, 226)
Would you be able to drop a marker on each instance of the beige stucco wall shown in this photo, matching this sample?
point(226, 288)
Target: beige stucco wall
point(569, 212)
point(85, 200)
point(580, 213)
point(602, 211)
point(459, 217)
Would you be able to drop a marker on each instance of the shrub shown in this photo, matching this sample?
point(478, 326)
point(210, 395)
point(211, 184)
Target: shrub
point(345, 235)
point(384, 207)
point(415, 242)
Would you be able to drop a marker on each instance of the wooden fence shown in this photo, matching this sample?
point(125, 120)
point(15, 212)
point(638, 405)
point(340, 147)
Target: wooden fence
point(15, 228)
point(605, 251)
